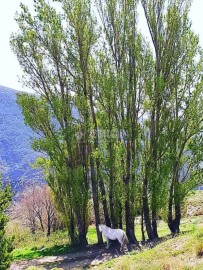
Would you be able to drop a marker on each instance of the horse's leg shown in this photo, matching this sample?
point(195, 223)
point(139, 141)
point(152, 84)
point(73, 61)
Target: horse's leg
point(121, 243)
point(122, 246)
point(108, 242)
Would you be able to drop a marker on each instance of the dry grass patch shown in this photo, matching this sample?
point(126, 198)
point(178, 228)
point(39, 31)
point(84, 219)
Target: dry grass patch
point(199, 248)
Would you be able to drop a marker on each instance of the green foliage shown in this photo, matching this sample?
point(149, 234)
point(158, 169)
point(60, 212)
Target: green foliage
point(5, 242)
point(28, 254)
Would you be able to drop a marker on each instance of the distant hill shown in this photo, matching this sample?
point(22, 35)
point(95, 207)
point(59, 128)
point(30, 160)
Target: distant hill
point(16, 153)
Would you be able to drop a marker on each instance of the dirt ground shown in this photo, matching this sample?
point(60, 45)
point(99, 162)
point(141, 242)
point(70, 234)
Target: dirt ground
point(91, 256)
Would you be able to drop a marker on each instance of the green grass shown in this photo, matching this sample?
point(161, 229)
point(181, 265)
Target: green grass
point(28, 254)
point(92, 235)
point(39, 245)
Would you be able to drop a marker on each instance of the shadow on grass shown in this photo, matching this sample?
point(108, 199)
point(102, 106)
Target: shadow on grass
point(29, 254)
point(75, 257)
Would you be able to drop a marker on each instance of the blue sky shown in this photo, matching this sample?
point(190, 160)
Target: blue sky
point(9, 67)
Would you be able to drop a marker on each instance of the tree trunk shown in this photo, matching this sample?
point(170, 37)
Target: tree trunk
point(33, 226)
point(177, 218)
point(170, 209)
point(129, 215)
point(130, 226)
point(111, 206)
point(111, 202)
point(177, 203)
point(146, 212)
point(120, 221)
point(174, 224)
point(48, 226)
point(41, 223)
point(104, 203)
point(111, 183)
point(154, 223)
point(99, 180)
point(82, 232)
point(95, 200)
point(71, 230)
point(142, 226)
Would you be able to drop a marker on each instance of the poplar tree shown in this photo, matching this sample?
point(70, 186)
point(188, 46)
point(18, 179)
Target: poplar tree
point(177, 80)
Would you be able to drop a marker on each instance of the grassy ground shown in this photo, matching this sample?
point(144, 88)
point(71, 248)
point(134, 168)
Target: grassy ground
point(184, 252)
point(31, 247)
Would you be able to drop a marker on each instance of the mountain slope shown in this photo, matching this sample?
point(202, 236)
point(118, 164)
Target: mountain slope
point(16, 153)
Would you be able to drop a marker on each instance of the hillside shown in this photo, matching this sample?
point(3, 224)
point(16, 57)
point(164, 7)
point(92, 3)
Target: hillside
point(16, 153)
point(181, 252)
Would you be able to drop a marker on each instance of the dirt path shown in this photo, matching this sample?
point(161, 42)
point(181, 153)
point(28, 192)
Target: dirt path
point(91, 256)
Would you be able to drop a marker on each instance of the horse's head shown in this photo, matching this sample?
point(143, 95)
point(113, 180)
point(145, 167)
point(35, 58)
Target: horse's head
point(101, 227)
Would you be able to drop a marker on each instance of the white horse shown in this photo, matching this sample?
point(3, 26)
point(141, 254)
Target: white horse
point(114, 234)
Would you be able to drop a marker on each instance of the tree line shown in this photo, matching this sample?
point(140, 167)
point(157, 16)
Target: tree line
point(118, 117)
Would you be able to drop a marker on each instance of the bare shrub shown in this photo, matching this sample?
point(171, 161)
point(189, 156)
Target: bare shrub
point(35, 209)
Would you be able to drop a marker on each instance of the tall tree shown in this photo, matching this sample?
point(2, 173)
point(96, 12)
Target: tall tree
point(122, 101)
point(170, 31)
point(43, 49)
